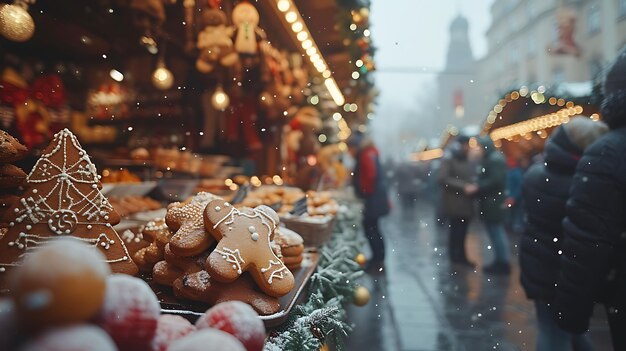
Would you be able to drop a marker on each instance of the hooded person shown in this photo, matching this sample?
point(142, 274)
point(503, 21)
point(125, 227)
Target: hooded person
point(369, 185)
point(545, 192)
point(593, 259)
point(491, 193)
point(455, 173)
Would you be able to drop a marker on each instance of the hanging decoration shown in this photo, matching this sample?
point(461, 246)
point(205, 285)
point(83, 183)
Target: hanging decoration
point(215, 45)
point(565, 44)
point(162, 78)
point(16, 24)
point(220, 99)
point(247, 34)
point(148, 17)
point(361, 296)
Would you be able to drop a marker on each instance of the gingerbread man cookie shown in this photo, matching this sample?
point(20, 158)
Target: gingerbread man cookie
point(173, 267)
point(244, 245)
point(11, 150)
point(200, 287)
point(185, 220)
point(158, 234)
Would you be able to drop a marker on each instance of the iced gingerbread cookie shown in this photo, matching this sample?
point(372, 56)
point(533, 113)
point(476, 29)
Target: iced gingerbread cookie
point(200, 287)
point(63, 199)
point(11, 176)
point(159, 235)
point(185, 220)
point(244, 246)
point(11, 150)
point(173, 267)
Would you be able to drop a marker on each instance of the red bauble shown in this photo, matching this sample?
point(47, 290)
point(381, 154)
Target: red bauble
point(169, 329)
point(238, 319)
point(129, 313)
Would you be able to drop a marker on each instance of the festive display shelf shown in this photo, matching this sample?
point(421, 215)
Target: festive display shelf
point(192, 310)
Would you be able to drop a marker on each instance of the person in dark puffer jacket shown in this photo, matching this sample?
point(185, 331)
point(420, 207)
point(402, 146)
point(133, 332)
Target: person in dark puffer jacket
point(593, 263)
point(545, 192)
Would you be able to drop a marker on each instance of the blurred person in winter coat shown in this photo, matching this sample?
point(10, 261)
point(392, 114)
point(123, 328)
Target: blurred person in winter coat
point(369, 184)
point(593, 261)
point(514, 178)
point(490, 190)
point(455, 174)
point(546, 190)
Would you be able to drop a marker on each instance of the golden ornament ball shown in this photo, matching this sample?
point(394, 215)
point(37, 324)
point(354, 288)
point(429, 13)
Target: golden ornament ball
point(324, 347)
point(360, 259)
point(361, 296)
point(16, 23)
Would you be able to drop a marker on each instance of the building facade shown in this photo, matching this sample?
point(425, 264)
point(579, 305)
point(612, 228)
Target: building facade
point(546, 42)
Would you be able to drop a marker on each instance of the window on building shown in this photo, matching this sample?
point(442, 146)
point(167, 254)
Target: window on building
point(622, 8)
point(593, 19)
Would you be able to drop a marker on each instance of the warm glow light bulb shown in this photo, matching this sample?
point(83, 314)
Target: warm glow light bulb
point(307, 44)
point(283, 5)
point(297, 26)
point(116, 75)
point(162, 78)
point(291, 16)
point(302, 36)
point(220, 99)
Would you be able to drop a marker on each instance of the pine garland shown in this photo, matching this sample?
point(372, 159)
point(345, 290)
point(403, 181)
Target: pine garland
point(322, 318)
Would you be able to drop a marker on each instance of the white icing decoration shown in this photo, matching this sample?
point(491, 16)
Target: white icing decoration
point(255, 236)
point(67, 203)
point(252, 229)
point(277, 273)
point(232, 256)
point(217, 208)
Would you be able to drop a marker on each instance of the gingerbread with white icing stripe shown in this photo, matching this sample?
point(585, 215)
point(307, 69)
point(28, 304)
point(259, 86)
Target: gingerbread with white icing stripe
point(244, 245)
point(185, 220)
point(63, 199)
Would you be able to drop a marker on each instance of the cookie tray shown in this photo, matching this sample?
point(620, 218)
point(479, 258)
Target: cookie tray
point(192, 311)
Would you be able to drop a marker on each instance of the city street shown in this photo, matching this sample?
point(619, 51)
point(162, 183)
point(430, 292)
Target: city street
point(424, 304)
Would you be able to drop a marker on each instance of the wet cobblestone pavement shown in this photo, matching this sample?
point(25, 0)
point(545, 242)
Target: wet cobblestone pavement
point(421, 303)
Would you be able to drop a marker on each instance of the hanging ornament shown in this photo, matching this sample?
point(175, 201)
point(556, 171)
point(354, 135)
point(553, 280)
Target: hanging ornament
point(162, 78)
point(316, 331)
point(15, 22)
point(324, 347)
point(220, 99)
point(361, 296)
point(360, 259)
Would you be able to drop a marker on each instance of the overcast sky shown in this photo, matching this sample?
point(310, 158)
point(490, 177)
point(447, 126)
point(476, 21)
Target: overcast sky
point(415, 34)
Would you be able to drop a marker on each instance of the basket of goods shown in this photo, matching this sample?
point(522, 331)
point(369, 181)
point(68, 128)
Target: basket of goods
point(310, 214)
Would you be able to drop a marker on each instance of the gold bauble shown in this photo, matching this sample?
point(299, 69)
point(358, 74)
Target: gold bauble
point(361, 296)
point(360, 259)
point(324, 347)
point(16, 23)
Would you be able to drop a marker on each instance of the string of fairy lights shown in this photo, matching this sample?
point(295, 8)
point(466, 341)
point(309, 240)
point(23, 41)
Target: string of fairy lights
point(308, 46)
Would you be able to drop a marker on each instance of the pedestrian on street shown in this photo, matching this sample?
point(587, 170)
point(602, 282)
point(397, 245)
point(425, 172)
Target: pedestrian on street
point(593, 261)
point(490, 191)
point(546, 190)
point(514, 177)
point(407, 177)
point(369, 185)
point(455, 174)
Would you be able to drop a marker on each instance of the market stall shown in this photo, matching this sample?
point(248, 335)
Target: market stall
point(521, 121)
point(193, 146)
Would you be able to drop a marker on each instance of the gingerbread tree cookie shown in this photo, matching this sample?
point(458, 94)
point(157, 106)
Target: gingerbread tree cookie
point(245, 237)
point(63, 198)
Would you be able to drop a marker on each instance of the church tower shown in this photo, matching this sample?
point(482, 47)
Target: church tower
point(456, 82)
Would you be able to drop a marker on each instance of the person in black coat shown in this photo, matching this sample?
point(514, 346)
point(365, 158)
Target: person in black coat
point(593, 263)
point(545, 192)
